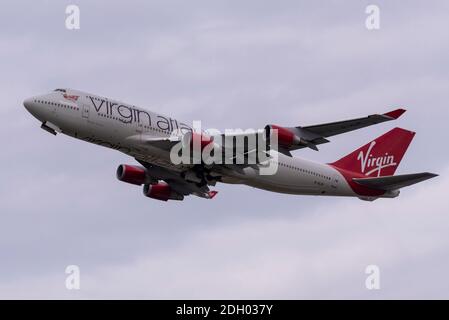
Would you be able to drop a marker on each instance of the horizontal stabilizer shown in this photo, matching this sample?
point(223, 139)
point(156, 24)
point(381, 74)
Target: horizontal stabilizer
point(394, 182)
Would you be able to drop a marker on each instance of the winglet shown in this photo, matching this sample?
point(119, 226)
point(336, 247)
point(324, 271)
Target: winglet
point(395, 113)
point(212, 194)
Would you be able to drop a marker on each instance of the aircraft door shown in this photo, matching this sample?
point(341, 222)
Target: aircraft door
point(85, 112)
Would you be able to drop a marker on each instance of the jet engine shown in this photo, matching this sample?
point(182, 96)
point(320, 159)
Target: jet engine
point(194, 139)
point(287, 138)
point(132, 174)
point(161, 191)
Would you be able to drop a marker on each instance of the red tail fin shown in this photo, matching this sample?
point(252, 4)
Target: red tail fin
point(380, 157)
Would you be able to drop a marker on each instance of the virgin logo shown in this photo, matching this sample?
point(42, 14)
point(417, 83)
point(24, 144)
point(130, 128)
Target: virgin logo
point(70, 97)
point(370, 164)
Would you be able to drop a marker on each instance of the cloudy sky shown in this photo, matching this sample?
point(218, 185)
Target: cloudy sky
point(231, 64)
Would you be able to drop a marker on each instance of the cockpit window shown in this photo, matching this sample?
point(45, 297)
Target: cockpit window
point(61, 90)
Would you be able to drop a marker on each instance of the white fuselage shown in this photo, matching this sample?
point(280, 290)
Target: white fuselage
point(123, 127)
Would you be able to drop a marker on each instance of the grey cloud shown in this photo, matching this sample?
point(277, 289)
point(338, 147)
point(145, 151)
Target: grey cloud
point(230, 65)
point(319, 255)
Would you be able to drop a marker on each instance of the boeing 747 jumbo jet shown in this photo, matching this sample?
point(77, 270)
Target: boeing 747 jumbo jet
point(151, 138)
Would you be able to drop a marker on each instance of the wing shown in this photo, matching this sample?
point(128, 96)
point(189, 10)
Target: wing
point(317, 134)
point(334, 128)
point(294, 137)
point(394, 182)
point(164, 143)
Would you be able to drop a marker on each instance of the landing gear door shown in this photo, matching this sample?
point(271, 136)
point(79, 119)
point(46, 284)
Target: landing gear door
point(85, 112)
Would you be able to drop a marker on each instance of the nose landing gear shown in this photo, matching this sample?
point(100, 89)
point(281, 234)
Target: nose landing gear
point(50, 127)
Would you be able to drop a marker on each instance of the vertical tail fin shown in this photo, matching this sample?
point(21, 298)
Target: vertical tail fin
point(380, 157)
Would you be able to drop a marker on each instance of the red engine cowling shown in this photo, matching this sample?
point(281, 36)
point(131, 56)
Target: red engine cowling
point(286, 138)
point(161, 191)
point(131, 174)
point(201, 139)
point(194, 139)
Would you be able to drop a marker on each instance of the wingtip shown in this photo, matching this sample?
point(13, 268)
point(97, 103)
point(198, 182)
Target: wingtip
point(212, 194)
point(395, 114)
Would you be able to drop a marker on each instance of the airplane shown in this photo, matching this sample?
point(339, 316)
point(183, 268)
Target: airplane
point(367, 173)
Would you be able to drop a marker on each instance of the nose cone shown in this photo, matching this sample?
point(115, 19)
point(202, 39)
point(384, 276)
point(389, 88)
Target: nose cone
point(33, 107)
point(28, 103)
